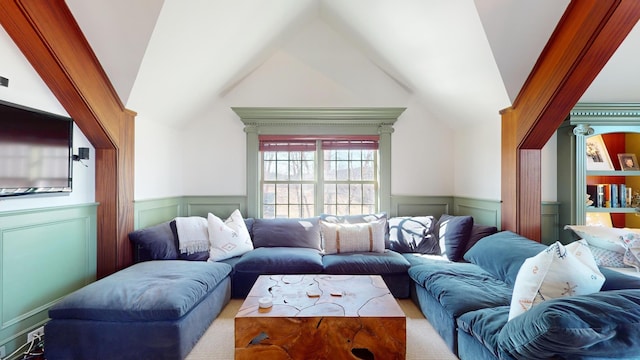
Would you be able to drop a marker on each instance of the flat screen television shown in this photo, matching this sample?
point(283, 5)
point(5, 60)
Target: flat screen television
point(35, 151)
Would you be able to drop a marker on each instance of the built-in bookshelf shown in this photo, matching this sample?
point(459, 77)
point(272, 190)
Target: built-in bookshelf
point(598, 147)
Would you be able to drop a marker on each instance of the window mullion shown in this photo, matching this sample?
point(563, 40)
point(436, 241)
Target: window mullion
point(319, 178)
point(376, 181)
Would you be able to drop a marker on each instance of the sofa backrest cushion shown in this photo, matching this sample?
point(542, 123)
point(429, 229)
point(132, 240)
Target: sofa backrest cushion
point(156, 242)
point(452, 233)
point(477, 233)
point(287, 233)
point(503, 253)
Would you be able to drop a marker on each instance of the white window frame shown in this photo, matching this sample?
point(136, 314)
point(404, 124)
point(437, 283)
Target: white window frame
point(319, 122)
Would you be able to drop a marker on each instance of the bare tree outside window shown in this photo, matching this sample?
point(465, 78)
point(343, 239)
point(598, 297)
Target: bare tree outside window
point(290, 183)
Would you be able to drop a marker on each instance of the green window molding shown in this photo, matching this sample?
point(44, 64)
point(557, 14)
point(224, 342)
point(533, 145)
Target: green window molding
point(317, 121)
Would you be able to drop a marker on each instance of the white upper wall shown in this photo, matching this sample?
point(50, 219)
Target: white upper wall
point(304, 53)
point(315, 68)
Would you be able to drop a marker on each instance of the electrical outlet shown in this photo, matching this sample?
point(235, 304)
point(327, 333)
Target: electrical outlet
point(39, 332)
point(3, 352)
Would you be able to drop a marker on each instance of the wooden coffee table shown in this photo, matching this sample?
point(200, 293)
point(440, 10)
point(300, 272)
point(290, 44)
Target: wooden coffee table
point(361, 320)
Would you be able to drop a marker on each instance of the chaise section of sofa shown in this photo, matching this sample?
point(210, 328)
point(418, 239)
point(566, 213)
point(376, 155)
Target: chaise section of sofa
point(469, 305)
point(446, 290)
point(150, 310)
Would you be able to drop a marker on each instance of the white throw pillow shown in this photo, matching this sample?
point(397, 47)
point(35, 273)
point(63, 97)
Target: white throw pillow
point(228, 238)
point(601, 236)
point(344, 238)
point(632, 255)
point(557, 271)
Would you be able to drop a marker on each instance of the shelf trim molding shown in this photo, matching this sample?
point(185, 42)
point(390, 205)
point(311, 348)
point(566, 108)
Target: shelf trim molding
point(605, 114)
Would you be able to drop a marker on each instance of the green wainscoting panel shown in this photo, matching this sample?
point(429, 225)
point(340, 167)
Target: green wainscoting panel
point(484, 212)
point(152, 212)
point(45, 254)
point(550, 222)
point(421, 205)
point(221, 206)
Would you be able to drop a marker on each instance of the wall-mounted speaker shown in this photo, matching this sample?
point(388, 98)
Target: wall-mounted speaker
point(83, 154)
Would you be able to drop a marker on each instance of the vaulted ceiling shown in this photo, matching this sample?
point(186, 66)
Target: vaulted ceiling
point(458, 57)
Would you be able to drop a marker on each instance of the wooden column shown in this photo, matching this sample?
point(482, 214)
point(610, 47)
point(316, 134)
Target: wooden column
point(586, 37)
point(50, 39)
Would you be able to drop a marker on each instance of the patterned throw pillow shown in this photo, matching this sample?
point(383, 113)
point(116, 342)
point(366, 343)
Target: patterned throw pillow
point(632, 255)
point(413, 234)
point(557, 271)
point(228, 238)
point(345, 238)
point(601, 236)
point(608, 258)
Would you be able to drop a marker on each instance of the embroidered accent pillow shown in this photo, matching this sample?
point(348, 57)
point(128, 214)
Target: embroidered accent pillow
point(228, 238)
point(557, 271)
point(345, 238)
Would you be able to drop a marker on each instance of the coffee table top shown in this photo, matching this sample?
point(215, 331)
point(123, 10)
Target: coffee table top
point(321, 295)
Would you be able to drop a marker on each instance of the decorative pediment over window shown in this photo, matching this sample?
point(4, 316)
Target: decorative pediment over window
point(318, 122)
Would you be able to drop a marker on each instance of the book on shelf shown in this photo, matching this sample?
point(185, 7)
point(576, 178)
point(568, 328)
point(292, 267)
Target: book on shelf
point(609, 195)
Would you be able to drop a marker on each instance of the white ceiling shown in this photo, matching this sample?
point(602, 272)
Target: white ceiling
point(460, 58)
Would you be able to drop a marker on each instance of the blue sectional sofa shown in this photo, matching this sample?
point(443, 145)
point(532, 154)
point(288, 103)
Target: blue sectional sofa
point(468, 303)
point(281, 246)
point(460, 274)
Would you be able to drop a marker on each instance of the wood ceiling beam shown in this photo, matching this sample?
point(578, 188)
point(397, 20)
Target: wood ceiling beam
point(586, 37)
point(51, 40)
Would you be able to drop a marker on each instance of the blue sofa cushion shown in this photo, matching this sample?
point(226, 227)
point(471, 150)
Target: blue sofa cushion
point(452, 233)
point(280, 260)
point(615, 280)
point(600, 325)
point(158, 242)
point(148, 291)
point(369, 263)
point(461, 287)
point(485, 325)
point(303, 233)
point(503, 253)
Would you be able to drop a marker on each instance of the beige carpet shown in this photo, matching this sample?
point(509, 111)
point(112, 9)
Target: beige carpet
point(423, 343)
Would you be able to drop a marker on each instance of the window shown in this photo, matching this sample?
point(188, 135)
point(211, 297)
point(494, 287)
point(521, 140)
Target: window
point(325, 127)
point(304, 176)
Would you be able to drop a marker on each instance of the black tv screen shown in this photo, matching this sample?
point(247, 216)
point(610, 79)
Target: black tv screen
point(35, 151)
